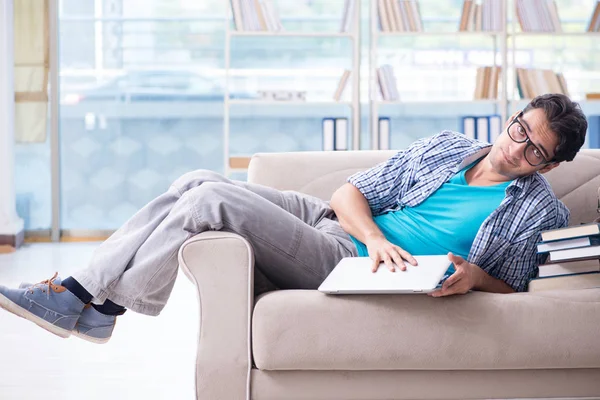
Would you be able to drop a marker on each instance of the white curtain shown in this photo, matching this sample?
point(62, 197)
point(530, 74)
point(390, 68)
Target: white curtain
point(32, 48)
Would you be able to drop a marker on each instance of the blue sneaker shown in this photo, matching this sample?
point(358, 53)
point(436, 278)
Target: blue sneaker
point(94, 326)
point(47, 304)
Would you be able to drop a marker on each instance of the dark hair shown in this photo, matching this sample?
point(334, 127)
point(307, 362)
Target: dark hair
point(566, 119)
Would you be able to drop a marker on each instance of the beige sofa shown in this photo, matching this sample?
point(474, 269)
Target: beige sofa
point(300, 344)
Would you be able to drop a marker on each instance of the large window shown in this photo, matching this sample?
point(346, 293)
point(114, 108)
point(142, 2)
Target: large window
point(140, 103)
point(142, 85)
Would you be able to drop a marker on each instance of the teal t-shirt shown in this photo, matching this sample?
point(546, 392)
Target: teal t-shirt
point(447, 221)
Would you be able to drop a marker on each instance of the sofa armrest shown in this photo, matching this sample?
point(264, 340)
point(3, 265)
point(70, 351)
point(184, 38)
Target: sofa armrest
point(221, 265)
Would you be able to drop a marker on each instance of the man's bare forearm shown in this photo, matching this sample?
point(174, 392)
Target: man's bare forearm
point(487, 283)
point(354, 213)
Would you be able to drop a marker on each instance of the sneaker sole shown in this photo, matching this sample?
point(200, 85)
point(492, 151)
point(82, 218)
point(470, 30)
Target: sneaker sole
point(89, 338)
point(19, 311)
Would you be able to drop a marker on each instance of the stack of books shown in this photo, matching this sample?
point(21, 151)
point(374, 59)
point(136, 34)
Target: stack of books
point(482, 15)
point(387, 83)
point(535, 82)
point(594, 25)
point(399, 16)
point(255, 15)
point(573, 259)
point(538, 16)
point(486, 85)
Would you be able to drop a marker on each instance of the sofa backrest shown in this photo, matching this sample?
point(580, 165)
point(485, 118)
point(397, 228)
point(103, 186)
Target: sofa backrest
point(320, 173)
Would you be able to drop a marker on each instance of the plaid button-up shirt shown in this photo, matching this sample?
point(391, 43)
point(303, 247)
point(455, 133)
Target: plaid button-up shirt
point(506, 244)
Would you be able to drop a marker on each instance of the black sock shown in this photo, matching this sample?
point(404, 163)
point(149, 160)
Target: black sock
point(109, 308)
point(75, 287)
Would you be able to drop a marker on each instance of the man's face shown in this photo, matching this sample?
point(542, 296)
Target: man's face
point(508, 157)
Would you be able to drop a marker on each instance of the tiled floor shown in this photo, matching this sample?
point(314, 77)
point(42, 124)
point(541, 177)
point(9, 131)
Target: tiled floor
point(147, 358)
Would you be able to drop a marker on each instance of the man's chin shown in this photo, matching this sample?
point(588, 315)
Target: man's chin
point(503, 169)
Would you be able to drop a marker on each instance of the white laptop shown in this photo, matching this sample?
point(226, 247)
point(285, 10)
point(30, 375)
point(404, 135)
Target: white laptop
point(353, 275)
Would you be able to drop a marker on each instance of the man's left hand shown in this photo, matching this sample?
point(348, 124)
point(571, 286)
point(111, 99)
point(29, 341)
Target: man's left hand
point(465, 278)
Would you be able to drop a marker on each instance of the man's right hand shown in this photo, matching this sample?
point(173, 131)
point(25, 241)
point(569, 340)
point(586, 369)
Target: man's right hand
point(381, 250)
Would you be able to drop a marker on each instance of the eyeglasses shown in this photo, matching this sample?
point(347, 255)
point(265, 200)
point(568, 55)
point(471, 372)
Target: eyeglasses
point(517, 133)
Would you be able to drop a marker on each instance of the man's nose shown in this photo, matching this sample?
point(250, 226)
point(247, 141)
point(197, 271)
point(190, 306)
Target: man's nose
point(516, 150)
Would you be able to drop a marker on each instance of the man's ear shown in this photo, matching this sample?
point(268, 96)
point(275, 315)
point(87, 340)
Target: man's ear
point(548, 167)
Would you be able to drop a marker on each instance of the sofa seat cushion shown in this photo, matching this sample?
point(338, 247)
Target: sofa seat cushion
point(308, 330)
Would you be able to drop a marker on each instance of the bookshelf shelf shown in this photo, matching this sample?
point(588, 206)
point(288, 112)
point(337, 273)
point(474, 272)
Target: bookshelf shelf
point(433, 102)
point(292, 34)
point(590, 34)
point(289, 103)
point(438, 33)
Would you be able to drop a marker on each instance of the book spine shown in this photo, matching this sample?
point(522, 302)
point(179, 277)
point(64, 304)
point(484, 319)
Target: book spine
point(341, 134)
point(383, 86)
point(495, 127)
point(342, 85)
point(594, 132)
point(398, 16)
point(464, 17)
point(389, 10)
point(468, 127)
point(385, 137)
point(237, 15)
point(383, 18)
point(328, 133)
point(597, 24)
point(483, 129)
point(391, 82)
point(262, 22)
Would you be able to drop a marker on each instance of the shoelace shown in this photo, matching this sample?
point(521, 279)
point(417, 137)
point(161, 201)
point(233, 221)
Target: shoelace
point(47, 282)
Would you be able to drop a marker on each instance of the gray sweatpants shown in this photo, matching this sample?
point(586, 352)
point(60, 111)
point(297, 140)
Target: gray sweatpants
point(296, 239)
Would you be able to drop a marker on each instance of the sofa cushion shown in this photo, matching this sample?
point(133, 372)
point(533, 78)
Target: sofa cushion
point(308, 330)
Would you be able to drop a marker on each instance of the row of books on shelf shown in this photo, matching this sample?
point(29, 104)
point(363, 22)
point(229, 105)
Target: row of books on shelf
point(534, 82)
point(538, 16)
point(594, 25)
point(482, 15)
point(573, 258)
point(486, 82)
point(485, 128)
point(530, 83)
point(399, 16)
point(335, 134)
point(405, 16)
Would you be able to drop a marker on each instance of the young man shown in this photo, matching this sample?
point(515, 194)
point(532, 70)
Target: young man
point(485, 206)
